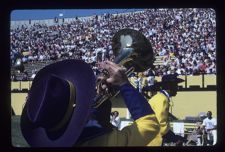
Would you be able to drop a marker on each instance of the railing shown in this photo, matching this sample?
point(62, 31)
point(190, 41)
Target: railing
point(20, 86)
point(203, 82)
point(191, 83)
point(188, 127)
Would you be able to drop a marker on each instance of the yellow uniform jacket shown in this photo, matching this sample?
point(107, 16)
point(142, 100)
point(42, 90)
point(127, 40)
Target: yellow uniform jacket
point(142, 132)
point(160, 105)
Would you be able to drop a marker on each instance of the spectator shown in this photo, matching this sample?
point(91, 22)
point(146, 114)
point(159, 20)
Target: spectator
point(151, 77)
point(13, 77)
point(34, 72)
point(115, 119)
point(210, 126)
point(25, 76)
point(188, 35)
point(196, 136)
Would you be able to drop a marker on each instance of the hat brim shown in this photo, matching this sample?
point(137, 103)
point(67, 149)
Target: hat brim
point(154, 87)
point(178, 80)
point(82, 76)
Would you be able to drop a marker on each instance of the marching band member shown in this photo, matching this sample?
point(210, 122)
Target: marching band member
point(160, 104)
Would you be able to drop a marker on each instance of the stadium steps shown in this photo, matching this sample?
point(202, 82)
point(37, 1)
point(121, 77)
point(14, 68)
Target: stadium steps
point(36, 65)
point(40, 64)
point(158, 60)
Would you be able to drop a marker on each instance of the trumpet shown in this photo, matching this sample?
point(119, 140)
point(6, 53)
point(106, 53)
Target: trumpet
point(133, 51)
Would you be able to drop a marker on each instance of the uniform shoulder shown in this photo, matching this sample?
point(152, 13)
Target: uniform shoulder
point(158, 96)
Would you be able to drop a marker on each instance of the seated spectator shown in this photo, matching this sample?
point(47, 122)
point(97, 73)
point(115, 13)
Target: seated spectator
point(25, 76)
point(196, 136)
point(33, 75)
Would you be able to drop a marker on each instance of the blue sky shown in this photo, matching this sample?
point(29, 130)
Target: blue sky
point(67, 13)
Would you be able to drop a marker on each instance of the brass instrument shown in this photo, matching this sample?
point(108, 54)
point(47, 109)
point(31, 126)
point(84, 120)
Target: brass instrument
point(133, 51)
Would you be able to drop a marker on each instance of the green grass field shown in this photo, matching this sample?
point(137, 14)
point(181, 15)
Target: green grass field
point(16, 136)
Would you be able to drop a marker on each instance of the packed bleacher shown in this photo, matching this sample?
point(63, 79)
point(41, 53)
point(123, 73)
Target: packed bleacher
point(184, 39)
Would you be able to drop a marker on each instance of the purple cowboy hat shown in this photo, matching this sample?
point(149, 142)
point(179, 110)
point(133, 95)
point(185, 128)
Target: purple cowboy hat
point(59, 104)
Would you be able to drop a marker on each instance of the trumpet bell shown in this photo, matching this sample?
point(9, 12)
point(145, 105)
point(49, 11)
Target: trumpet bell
point(132, 49)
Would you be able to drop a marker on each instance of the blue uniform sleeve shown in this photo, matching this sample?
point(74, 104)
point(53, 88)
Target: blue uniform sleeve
point(138, 106)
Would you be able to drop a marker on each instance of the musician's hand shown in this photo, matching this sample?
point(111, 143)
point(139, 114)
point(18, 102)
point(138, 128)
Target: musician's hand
point(102, 87)
point(117, 75)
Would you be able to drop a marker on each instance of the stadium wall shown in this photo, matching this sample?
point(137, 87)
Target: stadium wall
point(17, 102)
point(183, 105)
point(186, 103)
point(191, 103)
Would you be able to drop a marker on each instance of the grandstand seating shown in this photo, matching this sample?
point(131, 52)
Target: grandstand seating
point(158, 60)
point(35, 65)
point(32, 66)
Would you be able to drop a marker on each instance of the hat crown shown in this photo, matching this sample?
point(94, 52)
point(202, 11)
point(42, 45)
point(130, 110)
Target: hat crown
point(169, 78)
point(49, 117)
point(172, 78)
point(54, 95)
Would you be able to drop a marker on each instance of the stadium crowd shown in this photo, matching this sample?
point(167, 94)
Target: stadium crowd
point(185, 38)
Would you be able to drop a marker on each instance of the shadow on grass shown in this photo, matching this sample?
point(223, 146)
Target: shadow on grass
point(16, 135)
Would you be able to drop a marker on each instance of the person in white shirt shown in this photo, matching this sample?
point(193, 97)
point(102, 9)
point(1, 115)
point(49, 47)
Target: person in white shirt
point(151, 77)
point(210, 125)
point(115, 119)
